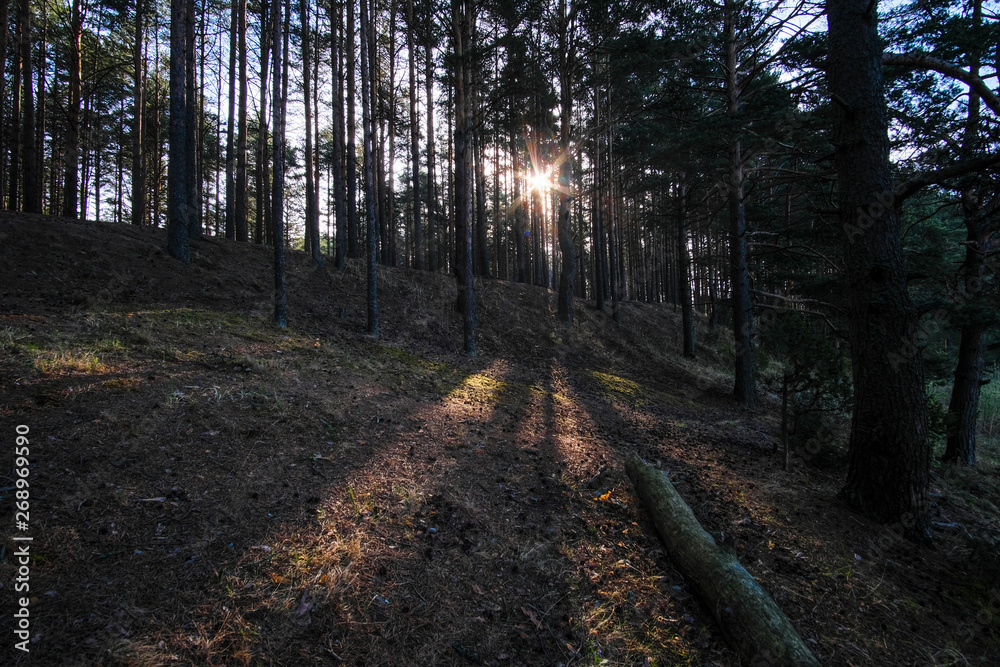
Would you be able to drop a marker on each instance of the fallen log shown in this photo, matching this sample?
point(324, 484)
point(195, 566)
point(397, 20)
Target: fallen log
point(750, 620)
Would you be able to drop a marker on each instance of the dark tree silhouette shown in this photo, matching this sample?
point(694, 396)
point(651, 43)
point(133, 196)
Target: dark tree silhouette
point(177, 181)
point(367, 36)
point(889, 457)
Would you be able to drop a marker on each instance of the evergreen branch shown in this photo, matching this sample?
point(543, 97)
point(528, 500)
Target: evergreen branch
point(913, 185)
point(916, 60)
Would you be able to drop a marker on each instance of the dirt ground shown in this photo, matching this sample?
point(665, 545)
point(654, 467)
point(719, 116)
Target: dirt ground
point(208, 489)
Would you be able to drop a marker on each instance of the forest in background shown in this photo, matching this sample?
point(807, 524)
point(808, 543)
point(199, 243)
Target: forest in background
point(819, 179)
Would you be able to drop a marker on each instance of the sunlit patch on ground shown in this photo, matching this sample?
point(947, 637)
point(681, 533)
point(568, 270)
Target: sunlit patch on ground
point(208, 489)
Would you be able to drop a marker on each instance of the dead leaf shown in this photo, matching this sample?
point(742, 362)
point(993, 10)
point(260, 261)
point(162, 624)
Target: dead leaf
point(304, 605)
point(278, 579)
point(533, 616)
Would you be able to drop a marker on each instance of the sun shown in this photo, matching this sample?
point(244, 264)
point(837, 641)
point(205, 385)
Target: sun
point(539, 181)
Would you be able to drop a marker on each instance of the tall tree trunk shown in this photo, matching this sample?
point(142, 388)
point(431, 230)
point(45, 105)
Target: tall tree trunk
point(240, 195)
point(98, 180)
point(963, 407)
point(71, 183)
point(482, 248)
point(279, 101)
point(432, 221)
point(353, 250)
point(157, 138)
point(177, 193)
point(745, 385)
point(29, 148)
point(199, 123)
point(13, 141)
point(190, 125)
point(418, 232)
point(567, 248)
point(4, 32)
point(336, 58)
point(138, 86)
point(463, 27)
point(499, 241)
point(520, 229)
point(889, 453)
point(378, 158)
point(40, 112)
point(312, 189)
point(369, 180)
point(262, 222)
point(230, 226)
point(684, 270)
point(964, 404)
point(614, 256)
point(390, 186)
point(600, 251)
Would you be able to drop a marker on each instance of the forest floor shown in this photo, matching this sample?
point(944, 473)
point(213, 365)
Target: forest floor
point(209, 489)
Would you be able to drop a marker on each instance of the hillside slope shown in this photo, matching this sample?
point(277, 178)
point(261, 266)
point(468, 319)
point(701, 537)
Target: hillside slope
point(209, 489)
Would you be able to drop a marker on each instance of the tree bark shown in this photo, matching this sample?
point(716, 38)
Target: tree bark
point(138, 117)
point(752, 623)
point(4, 32)
point(352, 150)
point(336, 58)
point(418, 232)
point(432, 221)
point(369, 180)
point(29, 147)
point(71, 185)
point(964, 404)
point(177, 201)
point(963, 407)
point(312, 191)
point(567, 65)
point(482, 247)
point(262, 224)
point(375, 111)
point(42, 68)
point(684, 271)
point(463, 24)
point(520, 246)
point(889, 453)
point(390, 183)
point(240, 198)
point(191, 126)
point(230, 225)
point(15, 122)
point(278, 104)
point(600, 251)
point(745, 385)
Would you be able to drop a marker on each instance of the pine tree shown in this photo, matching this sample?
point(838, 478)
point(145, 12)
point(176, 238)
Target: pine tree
point(177, 181)
point(889, 453)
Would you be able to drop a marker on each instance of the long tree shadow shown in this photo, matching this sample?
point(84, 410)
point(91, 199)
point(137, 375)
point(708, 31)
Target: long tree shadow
point(152, 498)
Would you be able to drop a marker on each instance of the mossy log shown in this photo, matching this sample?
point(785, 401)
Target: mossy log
point(752, 623)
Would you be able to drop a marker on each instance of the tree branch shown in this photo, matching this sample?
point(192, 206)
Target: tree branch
point(910, 187)
point(916, 60)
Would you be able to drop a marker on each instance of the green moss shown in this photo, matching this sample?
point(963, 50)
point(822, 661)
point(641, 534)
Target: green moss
point(616, 387)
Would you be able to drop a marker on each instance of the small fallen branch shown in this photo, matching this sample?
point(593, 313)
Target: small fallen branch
point(752, 623)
